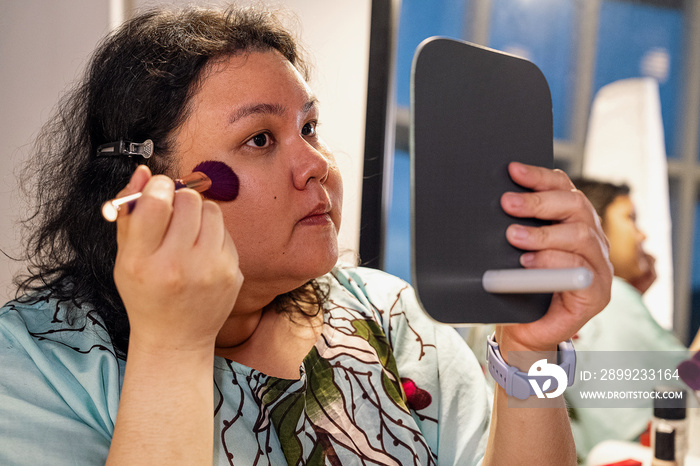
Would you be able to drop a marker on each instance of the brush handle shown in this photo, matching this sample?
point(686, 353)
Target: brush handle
point(120, 206)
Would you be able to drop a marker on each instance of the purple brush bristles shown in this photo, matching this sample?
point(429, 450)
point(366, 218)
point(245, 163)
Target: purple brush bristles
point(224, 182)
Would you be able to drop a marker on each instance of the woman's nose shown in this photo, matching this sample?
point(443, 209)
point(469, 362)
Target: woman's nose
point(311, 163)
point(641, 235)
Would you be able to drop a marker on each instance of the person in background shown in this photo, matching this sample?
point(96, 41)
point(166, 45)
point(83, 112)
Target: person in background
point(626, 323)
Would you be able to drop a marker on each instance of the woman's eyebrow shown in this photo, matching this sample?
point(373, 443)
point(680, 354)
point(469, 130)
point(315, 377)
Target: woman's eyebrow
point(311, 103)
point(267, 109)
point(254, 109)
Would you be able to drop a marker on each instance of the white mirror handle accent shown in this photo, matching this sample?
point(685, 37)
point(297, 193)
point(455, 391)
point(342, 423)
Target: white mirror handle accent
point(536, 280)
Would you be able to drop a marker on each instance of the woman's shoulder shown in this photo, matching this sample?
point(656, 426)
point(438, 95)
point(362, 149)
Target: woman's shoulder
point(59, 329)
point(43, 312)
point(374, 291)
point(366, 276)
point(385, 297)
point(373, 284)
point(31, 314)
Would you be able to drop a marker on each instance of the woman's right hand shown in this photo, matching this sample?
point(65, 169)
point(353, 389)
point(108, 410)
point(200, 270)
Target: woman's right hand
point(644, 282)
point(176, 268)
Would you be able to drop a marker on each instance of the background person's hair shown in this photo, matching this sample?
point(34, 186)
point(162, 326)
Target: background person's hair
point(600, 193)
point(137, 86)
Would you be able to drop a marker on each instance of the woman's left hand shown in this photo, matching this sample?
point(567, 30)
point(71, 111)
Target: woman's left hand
point(574, 239)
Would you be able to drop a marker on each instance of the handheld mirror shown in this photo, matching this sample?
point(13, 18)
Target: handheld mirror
point(474, 110)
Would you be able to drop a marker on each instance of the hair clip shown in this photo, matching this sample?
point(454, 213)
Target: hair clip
point(122, 147)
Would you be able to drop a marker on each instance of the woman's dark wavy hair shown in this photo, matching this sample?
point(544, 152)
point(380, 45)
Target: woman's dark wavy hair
point(137, 86)
point(600, 193)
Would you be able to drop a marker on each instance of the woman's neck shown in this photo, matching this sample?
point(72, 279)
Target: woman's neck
point(278, 344)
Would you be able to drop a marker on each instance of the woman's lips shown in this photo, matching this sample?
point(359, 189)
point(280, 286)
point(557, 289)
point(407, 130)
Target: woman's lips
point(319, 215)
point(316, 219)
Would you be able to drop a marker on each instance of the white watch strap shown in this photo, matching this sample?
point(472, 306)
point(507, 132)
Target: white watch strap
point(523, 384)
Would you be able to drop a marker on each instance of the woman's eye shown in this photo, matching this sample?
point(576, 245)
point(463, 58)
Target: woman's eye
point(309, 129)
point(259, 140)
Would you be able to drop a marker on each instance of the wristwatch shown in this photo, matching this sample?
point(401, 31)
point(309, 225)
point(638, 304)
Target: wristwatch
point(522, 385)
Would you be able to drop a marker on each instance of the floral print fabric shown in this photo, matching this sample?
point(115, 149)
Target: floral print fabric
point(383, 385)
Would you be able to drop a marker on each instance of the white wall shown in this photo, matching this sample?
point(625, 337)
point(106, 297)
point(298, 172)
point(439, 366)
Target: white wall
point(44, 45)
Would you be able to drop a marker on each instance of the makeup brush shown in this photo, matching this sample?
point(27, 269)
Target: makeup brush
point(214, 179)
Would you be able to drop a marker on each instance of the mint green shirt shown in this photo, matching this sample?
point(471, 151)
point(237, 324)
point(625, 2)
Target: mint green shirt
point(624, 325)
point(384, 384)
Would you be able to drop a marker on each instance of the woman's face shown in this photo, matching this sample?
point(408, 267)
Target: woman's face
point(256, 113)
point(626, 252)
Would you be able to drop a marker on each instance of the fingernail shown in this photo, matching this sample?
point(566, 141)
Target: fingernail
point(518, 232)
point(527, 259)
point(513, 199)
point(519, 167)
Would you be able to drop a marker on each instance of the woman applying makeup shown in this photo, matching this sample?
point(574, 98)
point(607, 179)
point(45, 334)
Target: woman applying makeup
point(228, 333)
